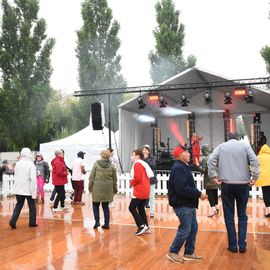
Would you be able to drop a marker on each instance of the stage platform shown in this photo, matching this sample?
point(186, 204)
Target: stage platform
point(67, 240)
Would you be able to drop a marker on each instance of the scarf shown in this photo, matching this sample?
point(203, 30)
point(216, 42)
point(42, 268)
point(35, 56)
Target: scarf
point(148, 170)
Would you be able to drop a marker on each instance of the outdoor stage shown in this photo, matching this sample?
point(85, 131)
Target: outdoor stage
point(67, 240)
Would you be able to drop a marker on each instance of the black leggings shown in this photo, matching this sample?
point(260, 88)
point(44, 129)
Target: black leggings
point(266, 195)
point(212, 196)
point(137, 209)
point(60, 191)
point(106, 211)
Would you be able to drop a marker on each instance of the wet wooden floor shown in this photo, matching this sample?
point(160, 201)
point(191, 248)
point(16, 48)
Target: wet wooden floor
point(67, 240)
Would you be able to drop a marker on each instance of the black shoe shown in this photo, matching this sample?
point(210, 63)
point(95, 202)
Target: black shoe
point(268, 215)
point(233, 250)
point(243, 250)
point(141, 230)
point(105, 227)
point(97, 224)
point(33, 225)
point(12, 226)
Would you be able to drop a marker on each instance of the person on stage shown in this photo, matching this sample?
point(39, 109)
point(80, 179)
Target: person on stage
point(150, 160)
point(264, 178)
point(103, 185)
point(25, 187)
point(184, 198)
point(140, 181)
point(196, 149)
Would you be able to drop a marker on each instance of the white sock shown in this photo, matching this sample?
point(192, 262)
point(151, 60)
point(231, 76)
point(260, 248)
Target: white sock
point(213, 209)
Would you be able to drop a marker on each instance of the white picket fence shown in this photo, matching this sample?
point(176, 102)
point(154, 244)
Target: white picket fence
point(122, 183)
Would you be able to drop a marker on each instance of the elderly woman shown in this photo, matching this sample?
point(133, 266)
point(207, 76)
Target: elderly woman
point(103, 185)
point(25, 187)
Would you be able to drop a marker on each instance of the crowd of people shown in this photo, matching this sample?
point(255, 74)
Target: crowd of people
point(232, 166)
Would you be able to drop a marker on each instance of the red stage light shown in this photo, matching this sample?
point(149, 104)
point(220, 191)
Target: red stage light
point(240, 91)
point(153, 97)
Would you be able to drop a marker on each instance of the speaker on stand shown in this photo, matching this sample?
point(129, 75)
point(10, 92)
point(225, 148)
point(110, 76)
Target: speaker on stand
point(97, 115)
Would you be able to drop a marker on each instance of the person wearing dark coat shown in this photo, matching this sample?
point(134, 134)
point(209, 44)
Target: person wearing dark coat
point(103, 186)
point(209, 184)
point(150, 160)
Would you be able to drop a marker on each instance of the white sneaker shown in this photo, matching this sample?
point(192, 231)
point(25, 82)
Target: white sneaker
point(147, 230)
point(65, 208)
point(57, 209)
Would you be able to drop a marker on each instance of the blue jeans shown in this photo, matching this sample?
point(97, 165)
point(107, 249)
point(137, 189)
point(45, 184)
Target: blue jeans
point(187, 230)
point(152, 199)
point(229, 194)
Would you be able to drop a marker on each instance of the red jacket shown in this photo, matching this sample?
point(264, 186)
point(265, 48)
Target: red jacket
point(140, 182)
point(59, 171)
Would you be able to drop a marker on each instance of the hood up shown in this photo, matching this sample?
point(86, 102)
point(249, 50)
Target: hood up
point(26, 154)
point(265, 149)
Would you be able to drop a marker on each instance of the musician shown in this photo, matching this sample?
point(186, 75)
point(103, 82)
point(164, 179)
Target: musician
point(196, 149)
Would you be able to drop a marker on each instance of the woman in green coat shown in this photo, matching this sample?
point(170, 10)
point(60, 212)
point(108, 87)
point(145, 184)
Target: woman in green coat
point(103, 185)
point(209, 184)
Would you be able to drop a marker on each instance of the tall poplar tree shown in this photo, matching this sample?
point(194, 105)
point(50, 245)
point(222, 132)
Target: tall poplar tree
point(99, 61)
point(25, 70)
point(167, 59)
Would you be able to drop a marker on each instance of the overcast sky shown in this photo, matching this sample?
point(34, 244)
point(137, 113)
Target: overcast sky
point(226, 36)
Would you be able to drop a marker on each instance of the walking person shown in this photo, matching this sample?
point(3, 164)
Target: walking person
point(184, 198)
point(25, 187)
point(59, 179)
point(229, 165)
point(103, 185)
point(150, 160)
point(78, 170)
point(264, 179)
point(210, 185)
point(43, 176)
point(140, 181)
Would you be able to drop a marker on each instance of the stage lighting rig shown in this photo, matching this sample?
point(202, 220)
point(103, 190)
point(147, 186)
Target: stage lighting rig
point(249, 98)
point(184, 101)
point(163, 102)
point(141, 103)
point(227, 98)
point(207, 98)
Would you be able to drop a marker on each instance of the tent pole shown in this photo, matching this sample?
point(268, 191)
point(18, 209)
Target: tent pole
point(109, 122)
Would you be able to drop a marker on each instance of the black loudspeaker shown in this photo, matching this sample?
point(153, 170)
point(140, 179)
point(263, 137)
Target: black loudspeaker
point(257, 118)
point(96, 112)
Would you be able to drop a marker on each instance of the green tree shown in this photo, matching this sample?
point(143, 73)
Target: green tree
point(167, 59)
point(265, 53)
point(25, 70)
point(99, 61)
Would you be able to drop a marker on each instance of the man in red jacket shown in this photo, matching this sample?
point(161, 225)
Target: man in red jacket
point(59, 179)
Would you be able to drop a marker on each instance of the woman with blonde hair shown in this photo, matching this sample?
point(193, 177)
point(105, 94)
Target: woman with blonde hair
point(103, 185)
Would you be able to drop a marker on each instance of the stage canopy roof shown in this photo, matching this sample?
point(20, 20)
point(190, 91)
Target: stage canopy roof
point(135, 129)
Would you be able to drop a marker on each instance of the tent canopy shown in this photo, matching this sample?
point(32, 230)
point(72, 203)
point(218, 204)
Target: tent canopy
point(135, 129)
point(90, 141)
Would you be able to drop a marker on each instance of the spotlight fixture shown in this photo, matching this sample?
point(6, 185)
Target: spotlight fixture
point(207, 98)
point(249, 98)
point(184, 101)
point(163, 102)
point(227, 98)
point(141, 103)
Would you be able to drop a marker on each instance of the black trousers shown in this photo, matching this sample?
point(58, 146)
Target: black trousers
point(137, 209)
point(18, 207)
point(212, 196)
point(60, 191)
point(266, 195)
point(106, 211)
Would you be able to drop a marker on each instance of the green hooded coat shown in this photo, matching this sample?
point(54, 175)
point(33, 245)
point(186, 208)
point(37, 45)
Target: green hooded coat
point(103, 181)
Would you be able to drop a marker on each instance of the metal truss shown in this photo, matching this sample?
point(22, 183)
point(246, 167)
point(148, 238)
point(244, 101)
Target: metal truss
point(170, 87)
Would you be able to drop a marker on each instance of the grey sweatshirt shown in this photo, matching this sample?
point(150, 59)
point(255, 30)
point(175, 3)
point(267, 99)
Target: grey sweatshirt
point(234, 162)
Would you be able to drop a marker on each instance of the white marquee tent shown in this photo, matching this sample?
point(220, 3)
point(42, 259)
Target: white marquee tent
point(134, 126)
point(87, 140)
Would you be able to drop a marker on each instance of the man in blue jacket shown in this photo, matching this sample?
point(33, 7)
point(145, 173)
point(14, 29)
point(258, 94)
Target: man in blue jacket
point(184, 198)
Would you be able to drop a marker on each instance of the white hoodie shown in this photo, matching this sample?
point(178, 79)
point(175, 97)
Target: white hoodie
point(25, 175)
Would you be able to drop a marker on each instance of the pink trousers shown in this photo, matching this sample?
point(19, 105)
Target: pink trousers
point(40, 187)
